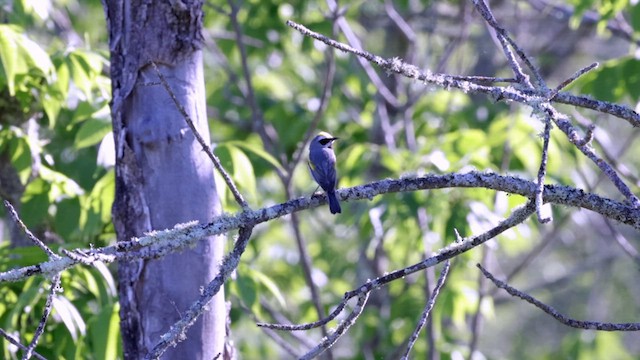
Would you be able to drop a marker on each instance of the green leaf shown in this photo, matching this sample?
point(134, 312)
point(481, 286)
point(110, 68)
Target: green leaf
point(613, 81)
point(221, 188)
point(635, 17)
point(259, 151)
point(243, 174)
point(269, 284)
point(247, 290)
point(19, 54)
point(35, 202)
point(85, 67)
point(20, 256)
point(91, 132)
point(29, 296)
point(353, 161)
point(51, 106)
point(105, 333)
point(63, 78)
point(96, 207)
point(19, 148)
point(61, 185)
point(67, 216)
point(9, 56)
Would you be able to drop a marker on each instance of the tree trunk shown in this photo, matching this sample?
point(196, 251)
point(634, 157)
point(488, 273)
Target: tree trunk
point(162, 175)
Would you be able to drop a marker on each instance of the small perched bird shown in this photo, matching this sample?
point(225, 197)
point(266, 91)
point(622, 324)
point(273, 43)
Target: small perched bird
point(322, 164)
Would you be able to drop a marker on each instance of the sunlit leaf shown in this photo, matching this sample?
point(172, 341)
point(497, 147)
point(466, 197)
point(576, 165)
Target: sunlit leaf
point(268, 283)
point(105, 333)
point(19, 54)
point(70, 316)
point(243, 173)
point(92, 132)
point(259, 151)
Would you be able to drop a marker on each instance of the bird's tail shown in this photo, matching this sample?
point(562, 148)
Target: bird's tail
point(334, 204)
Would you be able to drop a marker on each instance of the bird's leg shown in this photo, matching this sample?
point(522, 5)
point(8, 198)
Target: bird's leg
point(314, 191)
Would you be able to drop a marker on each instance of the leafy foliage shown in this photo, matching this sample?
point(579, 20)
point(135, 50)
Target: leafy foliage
point(54, 110)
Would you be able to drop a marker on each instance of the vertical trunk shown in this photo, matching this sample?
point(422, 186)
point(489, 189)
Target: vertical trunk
point(162, 177)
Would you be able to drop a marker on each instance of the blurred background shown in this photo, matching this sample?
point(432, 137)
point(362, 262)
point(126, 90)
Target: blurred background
point(56, 166)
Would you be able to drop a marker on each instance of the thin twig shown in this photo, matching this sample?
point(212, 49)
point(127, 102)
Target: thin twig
point(578, 324)
point(305, 261)
point(429, 279)
point(275, 336)
point(484, 10)
point(48, 306)
point(178, 330)
point(280, 318)
point(505, 41)
point(571, 79)
point(427, 309)
point(565, 13)
point(518, 216)
point(461, 245)
point(308, 326)
point(380, 86)
point(542, 171)
point(268, 135)
point(463, 17)
point(483, 79)
point(623, 242)
point(17, 343)
point(446, 81)
point(563, 124)
point(55, 281)
point(344, 325)
point(23, 227)
point(400, 22)
point(78, 256)
point(324, 102)
point(620, 111)
point(214, 159)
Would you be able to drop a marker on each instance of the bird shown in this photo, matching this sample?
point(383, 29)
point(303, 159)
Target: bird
point(322, 165)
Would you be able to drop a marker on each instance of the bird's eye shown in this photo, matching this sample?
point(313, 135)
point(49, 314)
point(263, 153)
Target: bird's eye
point(325, 141)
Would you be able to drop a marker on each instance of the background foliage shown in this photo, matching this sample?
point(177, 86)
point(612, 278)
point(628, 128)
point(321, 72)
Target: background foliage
point(54, 117)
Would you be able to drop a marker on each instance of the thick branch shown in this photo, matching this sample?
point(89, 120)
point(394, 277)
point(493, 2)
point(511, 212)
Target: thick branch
point(159, 243)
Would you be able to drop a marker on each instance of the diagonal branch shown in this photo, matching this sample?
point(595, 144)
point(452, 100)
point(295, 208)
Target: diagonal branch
point(446, 81)
point(48, 306)
point(542, 171)
point(55, 281)
point(462, 245)
point(14, 216)
point(17, 343)
point(178, 330)
point(267, 134)
point(427, 309)
point(579, 324)
point(344, 325)
point(563, 124)
point(506, 41)
point(207, 149)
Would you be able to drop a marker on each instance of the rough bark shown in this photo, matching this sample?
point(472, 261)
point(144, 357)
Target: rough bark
point(162, 177)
